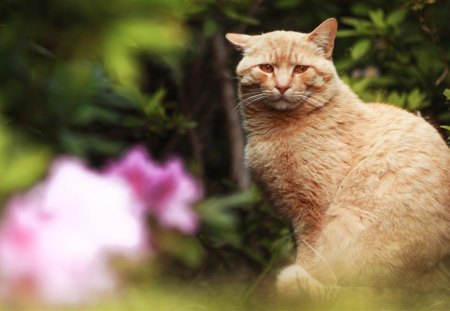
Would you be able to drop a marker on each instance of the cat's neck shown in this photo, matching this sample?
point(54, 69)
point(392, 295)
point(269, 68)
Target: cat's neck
point(343, 104)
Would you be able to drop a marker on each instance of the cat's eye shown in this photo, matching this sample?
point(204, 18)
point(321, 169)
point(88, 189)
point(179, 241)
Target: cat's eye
point(300, 68)
point(266, 68)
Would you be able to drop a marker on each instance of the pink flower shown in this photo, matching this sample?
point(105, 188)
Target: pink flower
point(167, 191)
point(56, 241)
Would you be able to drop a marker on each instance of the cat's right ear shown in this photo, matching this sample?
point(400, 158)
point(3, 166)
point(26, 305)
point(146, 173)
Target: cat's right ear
point(241, 41)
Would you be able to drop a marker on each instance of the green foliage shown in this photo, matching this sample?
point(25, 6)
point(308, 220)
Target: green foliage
point(446, 127)
point(242, 224)
point(125, 40)
point(447, 93)
point(394, 57)
point(20, 164)
point(219, 222)
point(360, 48)
point(74, 79)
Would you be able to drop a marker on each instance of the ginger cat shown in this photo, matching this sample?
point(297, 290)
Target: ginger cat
point(365, 186)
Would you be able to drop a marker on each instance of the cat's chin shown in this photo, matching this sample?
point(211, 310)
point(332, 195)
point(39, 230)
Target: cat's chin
point(283, 105)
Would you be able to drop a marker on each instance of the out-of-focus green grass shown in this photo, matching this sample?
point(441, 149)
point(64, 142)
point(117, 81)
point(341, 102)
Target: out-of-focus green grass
point(234, 296)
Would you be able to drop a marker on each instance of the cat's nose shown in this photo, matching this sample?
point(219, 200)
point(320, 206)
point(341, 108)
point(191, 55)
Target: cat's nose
point(282, 88)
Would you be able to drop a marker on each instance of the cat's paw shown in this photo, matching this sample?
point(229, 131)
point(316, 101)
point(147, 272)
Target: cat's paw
point(295, 282)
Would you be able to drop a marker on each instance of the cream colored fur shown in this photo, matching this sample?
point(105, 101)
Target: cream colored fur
point(365, 186)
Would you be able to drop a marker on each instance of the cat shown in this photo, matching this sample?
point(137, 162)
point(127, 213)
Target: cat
point(366, 186)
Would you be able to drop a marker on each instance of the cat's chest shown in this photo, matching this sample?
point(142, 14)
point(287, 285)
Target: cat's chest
point(298, 170)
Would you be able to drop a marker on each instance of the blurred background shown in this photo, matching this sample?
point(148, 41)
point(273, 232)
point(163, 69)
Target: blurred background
point(94, 78)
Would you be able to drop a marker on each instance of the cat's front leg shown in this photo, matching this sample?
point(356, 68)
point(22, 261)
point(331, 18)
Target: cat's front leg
point(294, 282)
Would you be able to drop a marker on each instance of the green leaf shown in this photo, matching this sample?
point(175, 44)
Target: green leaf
point(218, 218)
point(445, 127)
point(396, 99)
point(377, 18)
point(90, 113)
point(360, 86)
point(347, 33)
point(416, 100)
point(126, 39)
point(396, 17)
point(447, 93)
point(360, 48)
point(153, 104)
point(358, 23)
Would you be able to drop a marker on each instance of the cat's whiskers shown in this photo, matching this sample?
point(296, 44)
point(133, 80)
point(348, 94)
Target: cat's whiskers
point(320, 104)
point(254, 100)
point(240, 102)
point(249, 100)
point(309, 100)
point(247, 94)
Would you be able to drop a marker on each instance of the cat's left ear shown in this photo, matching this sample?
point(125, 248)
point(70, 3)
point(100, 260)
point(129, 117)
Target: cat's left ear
point(239, 40)
point(324, 36)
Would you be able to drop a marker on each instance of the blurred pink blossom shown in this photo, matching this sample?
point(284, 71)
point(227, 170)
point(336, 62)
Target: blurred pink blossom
point(56, 241)
point(167, 191)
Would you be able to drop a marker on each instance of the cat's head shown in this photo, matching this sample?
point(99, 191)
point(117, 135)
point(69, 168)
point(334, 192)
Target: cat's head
point(286, 70)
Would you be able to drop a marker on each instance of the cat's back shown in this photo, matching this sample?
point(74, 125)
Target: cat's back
point(399, 130)
point(407, 153)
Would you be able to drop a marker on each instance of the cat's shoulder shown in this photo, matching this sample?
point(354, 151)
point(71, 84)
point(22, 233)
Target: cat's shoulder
point(412, 124)
point(391, 112)
point(388, 109)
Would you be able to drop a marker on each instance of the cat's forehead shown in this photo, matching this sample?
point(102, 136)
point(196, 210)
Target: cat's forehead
point(283, 37)
point(280, 46)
